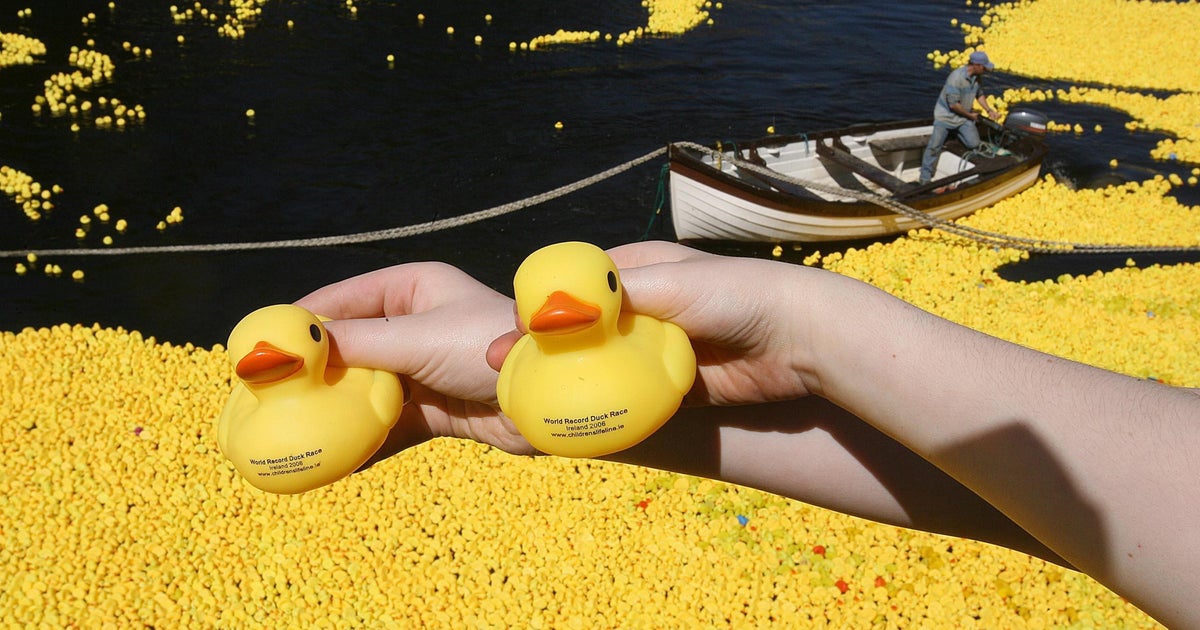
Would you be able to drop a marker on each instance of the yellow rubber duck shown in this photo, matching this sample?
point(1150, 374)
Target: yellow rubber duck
point(587, 379)
point(294, 423)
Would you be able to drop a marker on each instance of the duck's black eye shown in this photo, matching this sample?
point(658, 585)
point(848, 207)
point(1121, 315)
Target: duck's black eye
point(612, 282)
point(315, 331)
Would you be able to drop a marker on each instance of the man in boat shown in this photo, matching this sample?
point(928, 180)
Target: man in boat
point(953, 111)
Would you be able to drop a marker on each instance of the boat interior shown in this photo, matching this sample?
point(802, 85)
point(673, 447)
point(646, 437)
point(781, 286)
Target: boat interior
point(884, 162)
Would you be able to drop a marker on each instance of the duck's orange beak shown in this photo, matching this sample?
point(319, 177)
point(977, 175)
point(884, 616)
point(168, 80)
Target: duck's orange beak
point(563, 314)
point(267, 364)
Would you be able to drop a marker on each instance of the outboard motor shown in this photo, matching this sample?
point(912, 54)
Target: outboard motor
point(1026, 121)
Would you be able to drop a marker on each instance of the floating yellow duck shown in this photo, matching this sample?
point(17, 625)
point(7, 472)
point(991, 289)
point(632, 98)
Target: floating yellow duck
point(587, 380)
point(293, 423)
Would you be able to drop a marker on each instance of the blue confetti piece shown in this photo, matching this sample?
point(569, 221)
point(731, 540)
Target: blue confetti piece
point(742, 520)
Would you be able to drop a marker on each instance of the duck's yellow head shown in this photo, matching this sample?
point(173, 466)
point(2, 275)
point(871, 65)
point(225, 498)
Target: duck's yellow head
point(567, 288)
point(278, 343)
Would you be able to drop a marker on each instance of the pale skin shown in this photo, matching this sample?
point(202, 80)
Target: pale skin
point(824, 389)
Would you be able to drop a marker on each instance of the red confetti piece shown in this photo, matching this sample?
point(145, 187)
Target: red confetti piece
point(819, 550)
point(842, 585)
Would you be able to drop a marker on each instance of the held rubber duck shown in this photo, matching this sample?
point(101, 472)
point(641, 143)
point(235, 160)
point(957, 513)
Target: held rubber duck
point(293, 423)
point(587, 379)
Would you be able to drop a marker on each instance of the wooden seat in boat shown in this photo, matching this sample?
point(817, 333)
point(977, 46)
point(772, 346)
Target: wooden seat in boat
point(904, 143)
point(840, 155)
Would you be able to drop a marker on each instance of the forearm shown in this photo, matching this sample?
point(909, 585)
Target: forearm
point(983, 104)
point(961, 111)
point(816, 452)
point(1097, 466)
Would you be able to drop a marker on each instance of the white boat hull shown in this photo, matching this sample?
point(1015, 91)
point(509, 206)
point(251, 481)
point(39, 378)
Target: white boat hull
point(717, 195)
point(701, 212)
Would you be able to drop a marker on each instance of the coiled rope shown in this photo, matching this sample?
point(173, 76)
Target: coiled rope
point(986, 237)
point(348, 239)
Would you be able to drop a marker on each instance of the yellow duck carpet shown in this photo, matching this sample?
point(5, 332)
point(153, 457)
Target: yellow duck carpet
point(117, 510)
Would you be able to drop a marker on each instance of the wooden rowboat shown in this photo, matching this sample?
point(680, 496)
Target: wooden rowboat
point(818, 186)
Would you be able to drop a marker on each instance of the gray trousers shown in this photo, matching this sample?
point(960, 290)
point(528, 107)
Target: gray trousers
point(968, 134)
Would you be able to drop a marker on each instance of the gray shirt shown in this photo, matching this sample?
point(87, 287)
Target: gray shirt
point(962, 88)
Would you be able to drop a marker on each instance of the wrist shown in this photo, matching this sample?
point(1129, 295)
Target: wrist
point(815, 309)
point(852, 334)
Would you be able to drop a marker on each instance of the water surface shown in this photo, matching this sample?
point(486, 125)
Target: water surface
point(344, 142)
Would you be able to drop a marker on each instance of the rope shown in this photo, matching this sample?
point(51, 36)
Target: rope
point(347, 239)
point(986, 237)
point(660, 199)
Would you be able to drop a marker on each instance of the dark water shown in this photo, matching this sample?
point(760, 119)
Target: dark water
point(342, 143)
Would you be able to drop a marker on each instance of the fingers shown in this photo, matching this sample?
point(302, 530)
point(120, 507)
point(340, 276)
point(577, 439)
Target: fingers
point(384, 343)
point(362, 296)
point(661, 279)
point(671, 290)
point(430, 321)
point(651, 252)
point(398, 290)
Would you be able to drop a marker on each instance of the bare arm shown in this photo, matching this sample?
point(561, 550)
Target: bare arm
point(1099, 467)
point(812, 450)
point(434, 324)
point(983, 103)
point(963, 111)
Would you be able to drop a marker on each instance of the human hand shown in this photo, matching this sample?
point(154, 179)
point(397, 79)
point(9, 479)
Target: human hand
point(431, 323)
point(743, 333)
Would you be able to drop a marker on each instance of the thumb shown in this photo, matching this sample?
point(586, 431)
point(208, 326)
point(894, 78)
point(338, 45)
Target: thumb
point(397, 344)
point(664, 291)
point(431, 347)
point(429, 321)
point(499, 349)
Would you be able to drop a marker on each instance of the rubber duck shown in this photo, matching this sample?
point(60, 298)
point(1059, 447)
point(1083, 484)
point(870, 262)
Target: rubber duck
point(293, 423)
point(588, 379)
